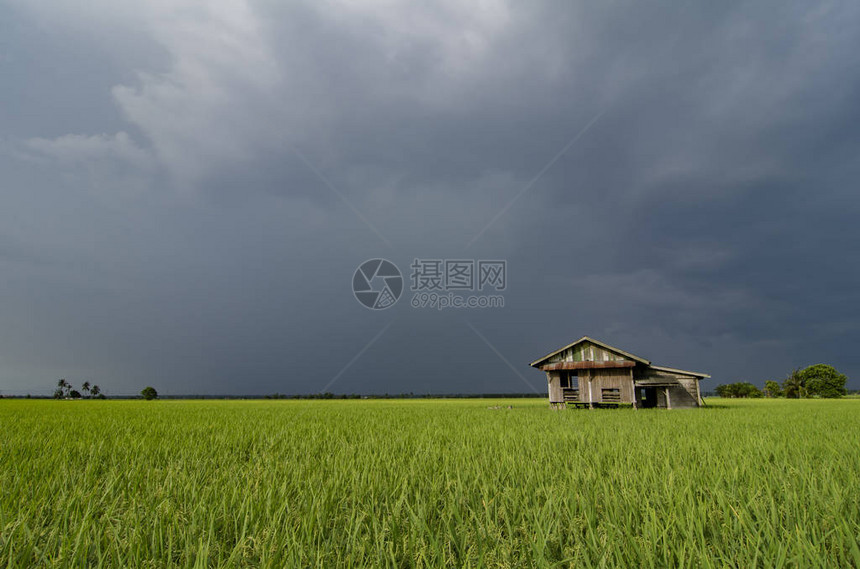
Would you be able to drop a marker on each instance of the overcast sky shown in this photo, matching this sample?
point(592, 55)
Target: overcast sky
point(186, 189)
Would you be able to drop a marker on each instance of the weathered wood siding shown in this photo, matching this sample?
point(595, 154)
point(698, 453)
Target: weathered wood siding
point(690, 395)
point(621, 379)
point(554, 386)
point(586, 352)
point(684, 395)
point(680, 397)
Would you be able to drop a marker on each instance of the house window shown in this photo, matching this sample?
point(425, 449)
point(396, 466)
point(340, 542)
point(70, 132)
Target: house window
point(611, 395)
point(569, 380)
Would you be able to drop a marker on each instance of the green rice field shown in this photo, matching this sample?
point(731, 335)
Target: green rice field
point(428, 483)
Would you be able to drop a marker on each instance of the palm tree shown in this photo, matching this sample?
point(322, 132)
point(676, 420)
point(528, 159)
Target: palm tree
point(794, 385)
point(95, 390)
point(86, 388)
point(63, 388)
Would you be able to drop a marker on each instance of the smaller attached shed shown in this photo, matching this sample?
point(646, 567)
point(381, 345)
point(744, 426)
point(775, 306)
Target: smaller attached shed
point(589, 373)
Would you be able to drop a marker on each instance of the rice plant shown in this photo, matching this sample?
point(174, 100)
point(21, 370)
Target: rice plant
point(428, 483)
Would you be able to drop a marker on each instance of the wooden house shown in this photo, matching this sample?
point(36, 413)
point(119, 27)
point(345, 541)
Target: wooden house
point(589, 373)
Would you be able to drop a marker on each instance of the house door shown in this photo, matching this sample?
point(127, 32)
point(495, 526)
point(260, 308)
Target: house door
point(646, 397)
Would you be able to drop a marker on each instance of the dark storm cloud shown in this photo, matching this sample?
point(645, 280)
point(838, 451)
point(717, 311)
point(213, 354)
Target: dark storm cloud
point(187, 190)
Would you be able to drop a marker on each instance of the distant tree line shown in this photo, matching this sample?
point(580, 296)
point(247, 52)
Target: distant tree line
point(66, 390)
point(819, 380)
point(738, 389)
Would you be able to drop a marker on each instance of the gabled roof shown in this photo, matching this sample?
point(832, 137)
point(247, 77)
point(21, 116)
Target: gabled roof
point(536, 363)
point(681, 371)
